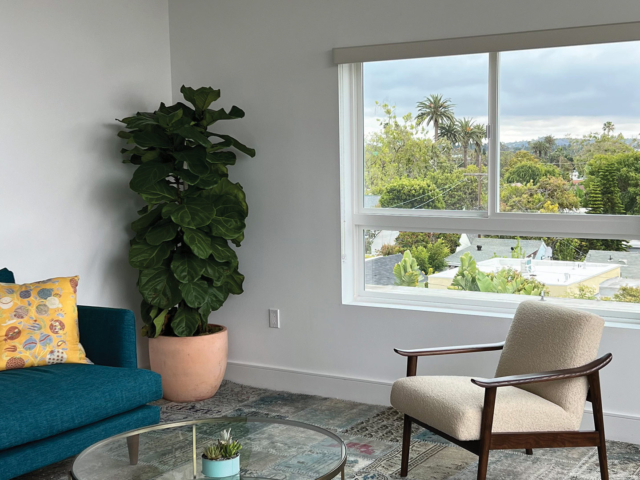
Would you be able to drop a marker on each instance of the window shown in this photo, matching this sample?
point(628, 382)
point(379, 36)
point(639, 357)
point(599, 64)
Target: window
point(526, 163)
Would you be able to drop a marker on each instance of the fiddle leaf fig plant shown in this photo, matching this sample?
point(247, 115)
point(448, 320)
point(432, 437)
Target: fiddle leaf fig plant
point(181, 247)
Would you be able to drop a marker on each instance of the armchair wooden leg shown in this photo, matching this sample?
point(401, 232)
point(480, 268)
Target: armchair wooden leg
point(598, 420)
point(406, 444)
point(529, 451)
point(485, 431)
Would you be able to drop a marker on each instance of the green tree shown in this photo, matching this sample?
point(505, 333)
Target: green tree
point(412, 193)
point(449, 131)
point(466, 135)
point(540, 148)
point(431, 256)
point(594, 198)
point(533, 197)
point(410, 240)
point(435, 110)
point(478, 134)
point(627, 294)
point(529, 171)
point(602, 188)
point(459, 192)
point(608, 128)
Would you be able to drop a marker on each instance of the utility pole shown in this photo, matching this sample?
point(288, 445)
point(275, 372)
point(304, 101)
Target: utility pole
point(479, 176)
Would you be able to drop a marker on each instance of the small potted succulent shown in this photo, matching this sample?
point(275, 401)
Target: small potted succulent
point(223, 458)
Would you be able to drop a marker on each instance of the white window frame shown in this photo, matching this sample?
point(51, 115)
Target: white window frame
point(356, 218)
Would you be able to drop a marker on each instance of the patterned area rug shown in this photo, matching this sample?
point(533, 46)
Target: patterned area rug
point(372, 435)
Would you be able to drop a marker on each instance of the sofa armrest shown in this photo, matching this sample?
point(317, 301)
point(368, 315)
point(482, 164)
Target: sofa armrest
point(108, 335)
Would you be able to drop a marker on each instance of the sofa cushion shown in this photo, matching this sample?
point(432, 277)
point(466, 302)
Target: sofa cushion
point(454, 405)
point(40, 402)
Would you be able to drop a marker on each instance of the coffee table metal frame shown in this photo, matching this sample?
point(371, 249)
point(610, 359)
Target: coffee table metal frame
point(133, 439)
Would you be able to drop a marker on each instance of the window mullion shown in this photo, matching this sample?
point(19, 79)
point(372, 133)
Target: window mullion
point(493, 159)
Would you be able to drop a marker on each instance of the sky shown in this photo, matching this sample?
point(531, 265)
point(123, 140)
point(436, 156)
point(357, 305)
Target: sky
point(567, 91)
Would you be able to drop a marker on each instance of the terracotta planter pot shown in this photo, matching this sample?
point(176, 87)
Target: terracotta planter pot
point(192, 368)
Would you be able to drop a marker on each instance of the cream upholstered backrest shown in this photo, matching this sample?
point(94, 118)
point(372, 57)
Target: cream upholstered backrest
point(546, 337)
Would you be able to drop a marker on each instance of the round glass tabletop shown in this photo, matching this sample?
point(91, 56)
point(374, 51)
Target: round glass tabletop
point(271, 449)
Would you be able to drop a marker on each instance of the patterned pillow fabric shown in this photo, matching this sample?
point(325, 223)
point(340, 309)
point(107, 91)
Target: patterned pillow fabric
point(39, 324)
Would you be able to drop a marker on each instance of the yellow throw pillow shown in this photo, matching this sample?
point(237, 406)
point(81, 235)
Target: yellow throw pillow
point(39, 324)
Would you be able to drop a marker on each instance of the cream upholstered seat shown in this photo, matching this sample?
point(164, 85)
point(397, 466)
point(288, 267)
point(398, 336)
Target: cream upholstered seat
point(543, 337)
point(453, 405)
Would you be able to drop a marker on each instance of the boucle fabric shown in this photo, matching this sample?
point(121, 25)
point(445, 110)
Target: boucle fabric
point(546, 337)
point(453, 405)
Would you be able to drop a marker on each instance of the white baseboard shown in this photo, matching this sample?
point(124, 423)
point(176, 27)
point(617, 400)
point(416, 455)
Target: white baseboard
point(621, 427)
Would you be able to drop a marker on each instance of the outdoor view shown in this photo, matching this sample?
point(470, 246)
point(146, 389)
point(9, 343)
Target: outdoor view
point(569, 127)
point(605, 270)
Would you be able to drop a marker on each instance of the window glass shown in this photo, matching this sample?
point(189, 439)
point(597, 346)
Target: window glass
point(563, 268)
point(569, 126)
point(425, 141)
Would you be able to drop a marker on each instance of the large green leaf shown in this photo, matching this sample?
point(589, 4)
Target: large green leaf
point(139, 121)
point(185, 322)
point(159, 192)
point(225, 158)
point(236, 144)
point(225, 187)
point(153, 137)
point(149, 174)
point(143, 255)
point(162, 232)
point(210, 179)
point(216, 271)
point(225, 227)
point(187, 175)
point(190, 132)
point(212, 116)
point(199, 242)
point(146, 220)
point(159, 287)
point(193, 213)
point(187, 267)
point(216, 296)
point(234, 282)
point(222, 252)
point(187, 112)
point(166, 120)
point(168, 209)
point(195, 157)
point(194, 293)
point(158, 322)
point(200, 98)
point(148, 312)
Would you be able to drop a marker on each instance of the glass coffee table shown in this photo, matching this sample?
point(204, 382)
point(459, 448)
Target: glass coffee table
point(271, 449)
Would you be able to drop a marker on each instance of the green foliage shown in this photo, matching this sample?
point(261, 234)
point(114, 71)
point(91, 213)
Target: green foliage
point(584, 292)
point(627, 294)
point(412, 193)
point(435, 110)
point(431, 256)
point(507, 280)
point(407, 272)
point(409, 240)
point(527, 171)
point(533, 197)
point(387, 250)
point(602, 185)
point(187, 268)
point(225, 449)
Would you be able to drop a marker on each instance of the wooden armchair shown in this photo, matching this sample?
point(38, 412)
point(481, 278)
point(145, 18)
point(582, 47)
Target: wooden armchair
point(519, 409)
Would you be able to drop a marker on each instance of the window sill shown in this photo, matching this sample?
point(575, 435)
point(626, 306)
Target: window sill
point(503, 309)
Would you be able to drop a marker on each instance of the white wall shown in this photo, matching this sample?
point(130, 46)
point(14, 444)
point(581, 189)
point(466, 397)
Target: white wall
point(273, 59)
point(67, 70)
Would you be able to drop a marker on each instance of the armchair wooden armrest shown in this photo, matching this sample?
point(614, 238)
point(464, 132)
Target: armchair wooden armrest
point(515, 380)
point(424, 352)
point(412, 355)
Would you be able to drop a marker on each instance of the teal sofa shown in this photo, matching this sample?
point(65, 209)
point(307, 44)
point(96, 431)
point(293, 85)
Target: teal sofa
point(54, 412)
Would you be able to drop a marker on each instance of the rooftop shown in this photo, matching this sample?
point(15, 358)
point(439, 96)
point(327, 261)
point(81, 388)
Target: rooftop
point(379, 270)
point(629, 262)
point(494, 247)
point(549, 272)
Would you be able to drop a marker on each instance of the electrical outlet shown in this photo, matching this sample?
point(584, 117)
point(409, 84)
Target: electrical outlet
point(274, 318)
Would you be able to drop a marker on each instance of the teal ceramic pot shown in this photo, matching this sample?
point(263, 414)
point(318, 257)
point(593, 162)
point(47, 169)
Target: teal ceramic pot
point(220, 468)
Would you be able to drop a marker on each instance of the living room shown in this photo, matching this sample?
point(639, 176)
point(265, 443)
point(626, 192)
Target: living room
point(310, 339)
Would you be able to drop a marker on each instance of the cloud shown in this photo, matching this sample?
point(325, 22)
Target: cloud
point(546, 91)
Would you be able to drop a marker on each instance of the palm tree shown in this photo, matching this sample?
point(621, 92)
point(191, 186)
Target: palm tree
point(434, 109)
point(550, 141)
point(539, 148)
point(608, 128)
point(449, 130)
point(478, 134)
point(465, 135)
